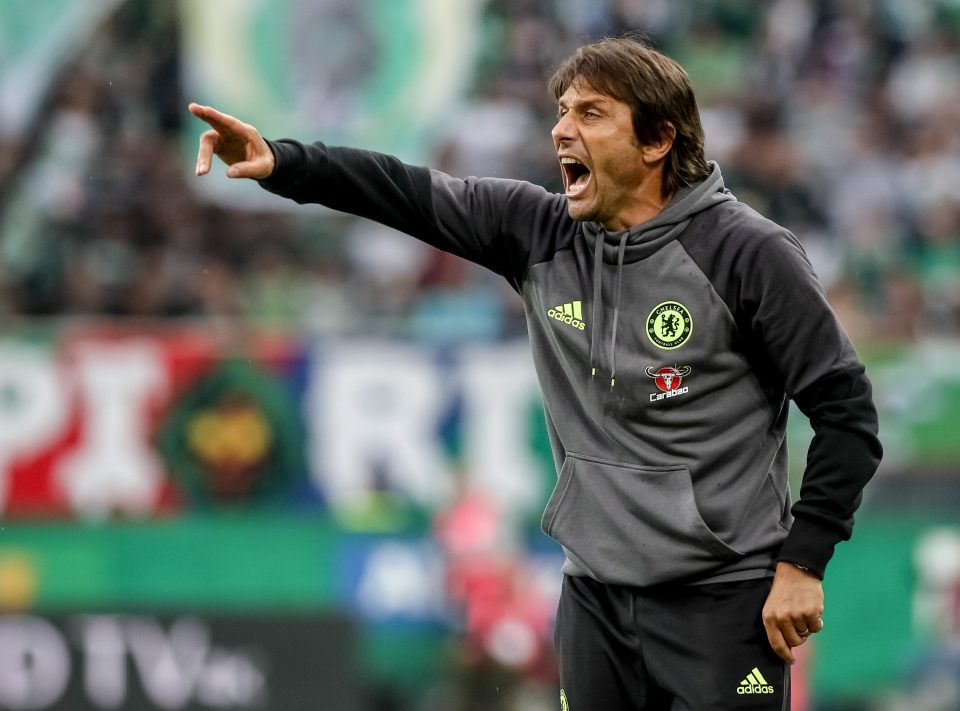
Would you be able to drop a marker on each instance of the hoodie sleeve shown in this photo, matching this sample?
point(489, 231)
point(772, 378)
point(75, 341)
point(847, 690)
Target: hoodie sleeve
point(808, 352)
point(487, 221)
point(796, 348)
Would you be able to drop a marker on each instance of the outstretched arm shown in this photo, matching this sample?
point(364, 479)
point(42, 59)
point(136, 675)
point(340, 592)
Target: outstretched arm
point(236, 143)
point(491, 222)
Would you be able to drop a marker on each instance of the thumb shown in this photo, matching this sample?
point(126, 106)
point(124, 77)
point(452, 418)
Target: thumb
point(246, 169)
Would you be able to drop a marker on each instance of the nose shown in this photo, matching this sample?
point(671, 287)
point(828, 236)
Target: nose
point(563, 129)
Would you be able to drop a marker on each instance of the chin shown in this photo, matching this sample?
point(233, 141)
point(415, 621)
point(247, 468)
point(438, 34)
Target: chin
point(582, 213)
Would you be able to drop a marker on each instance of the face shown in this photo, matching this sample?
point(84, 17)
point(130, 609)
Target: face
point(608, 177)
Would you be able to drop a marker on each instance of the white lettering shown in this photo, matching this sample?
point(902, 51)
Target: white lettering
point(231, 679)
point(654, 397)
point(175, 666)
point(33, 409)
point(104, 673)
point(114, 466)
point(34, 664)
point(500, 389)
point(169, 666)
point(375, 410)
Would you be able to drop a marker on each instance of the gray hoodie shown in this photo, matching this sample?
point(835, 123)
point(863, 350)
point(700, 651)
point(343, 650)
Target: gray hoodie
point(666, 353)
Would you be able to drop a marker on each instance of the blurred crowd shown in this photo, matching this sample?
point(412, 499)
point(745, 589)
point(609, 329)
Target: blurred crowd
point(840, 119)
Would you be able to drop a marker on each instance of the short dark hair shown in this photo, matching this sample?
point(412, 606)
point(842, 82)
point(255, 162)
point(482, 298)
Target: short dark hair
point(657, 90)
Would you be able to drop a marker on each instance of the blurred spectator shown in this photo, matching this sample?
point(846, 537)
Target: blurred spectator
point(933, 676)
point(504, 619)
point(840, 120)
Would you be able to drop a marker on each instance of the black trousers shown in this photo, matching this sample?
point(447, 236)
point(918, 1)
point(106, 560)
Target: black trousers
point(669, 648)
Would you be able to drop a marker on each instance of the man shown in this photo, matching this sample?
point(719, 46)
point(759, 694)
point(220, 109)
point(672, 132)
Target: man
point(670, 325)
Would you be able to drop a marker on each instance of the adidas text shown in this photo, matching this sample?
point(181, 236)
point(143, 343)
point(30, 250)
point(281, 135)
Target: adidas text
point(569, 314)
point(755, 689)
point(754, 684)
point(569, 320)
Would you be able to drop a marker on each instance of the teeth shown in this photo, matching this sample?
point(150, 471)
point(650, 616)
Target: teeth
point(579, 184)
point(576, 179)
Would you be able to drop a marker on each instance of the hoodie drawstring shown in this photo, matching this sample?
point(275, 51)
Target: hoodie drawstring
point(616, 310)
point(646, 239)
point(597, 267)
point(597, 270)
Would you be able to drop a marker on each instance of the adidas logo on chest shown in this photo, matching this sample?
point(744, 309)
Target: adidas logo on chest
point(570, 313)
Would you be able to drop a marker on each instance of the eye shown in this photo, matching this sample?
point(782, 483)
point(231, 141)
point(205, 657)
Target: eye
point(562, 111)
point(591, 115)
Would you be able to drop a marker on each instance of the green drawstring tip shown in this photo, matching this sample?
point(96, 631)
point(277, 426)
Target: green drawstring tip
point(613, 381)
point(593, 373)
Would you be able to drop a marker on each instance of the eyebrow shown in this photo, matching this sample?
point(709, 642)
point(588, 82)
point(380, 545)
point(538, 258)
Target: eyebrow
point(597, 103)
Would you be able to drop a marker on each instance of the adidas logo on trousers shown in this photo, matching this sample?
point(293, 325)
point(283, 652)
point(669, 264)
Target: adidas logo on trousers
point(754, 684)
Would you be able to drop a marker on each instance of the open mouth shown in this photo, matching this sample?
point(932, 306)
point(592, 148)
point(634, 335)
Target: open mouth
point(576, 176)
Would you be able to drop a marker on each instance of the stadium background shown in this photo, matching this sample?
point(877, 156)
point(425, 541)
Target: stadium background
point(261, 458)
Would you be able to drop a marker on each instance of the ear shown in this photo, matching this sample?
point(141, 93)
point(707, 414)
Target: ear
point(657, 150)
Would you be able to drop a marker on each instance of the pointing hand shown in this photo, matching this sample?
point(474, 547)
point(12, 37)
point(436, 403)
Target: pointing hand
point(237, 144)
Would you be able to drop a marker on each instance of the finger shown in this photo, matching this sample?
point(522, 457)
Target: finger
point(816, 625)
point(209, 141)
point(794, 637)
point(224, 123)
point(779, 644)
point(255, 169)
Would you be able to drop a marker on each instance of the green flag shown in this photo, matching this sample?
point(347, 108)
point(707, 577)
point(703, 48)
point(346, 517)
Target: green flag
point(379, 74)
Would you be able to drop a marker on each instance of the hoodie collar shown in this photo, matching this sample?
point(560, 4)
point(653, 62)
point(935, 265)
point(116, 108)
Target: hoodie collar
point(646, 238)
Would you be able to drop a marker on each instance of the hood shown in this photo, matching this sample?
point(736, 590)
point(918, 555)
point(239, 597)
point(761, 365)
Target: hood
point(646, 238)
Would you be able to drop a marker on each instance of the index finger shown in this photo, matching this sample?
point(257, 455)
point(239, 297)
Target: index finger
point(780, 644)
point(220, 121)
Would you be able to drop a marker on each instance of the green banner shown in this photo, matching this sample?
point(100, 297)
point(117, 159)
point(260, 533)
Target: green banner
point(381, 74)
point(881, 592)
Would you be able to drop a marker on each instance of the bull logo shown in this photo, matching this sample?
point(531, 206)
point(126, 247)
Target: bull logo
point(668, 378)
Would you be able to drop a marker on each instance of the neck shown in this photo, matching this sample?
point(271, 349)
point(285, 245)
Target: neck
point(648, 205)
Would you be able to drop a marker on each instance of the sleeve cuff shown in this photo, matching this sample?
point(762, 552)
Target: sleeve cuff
point(287, 156)
point(809, 546)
